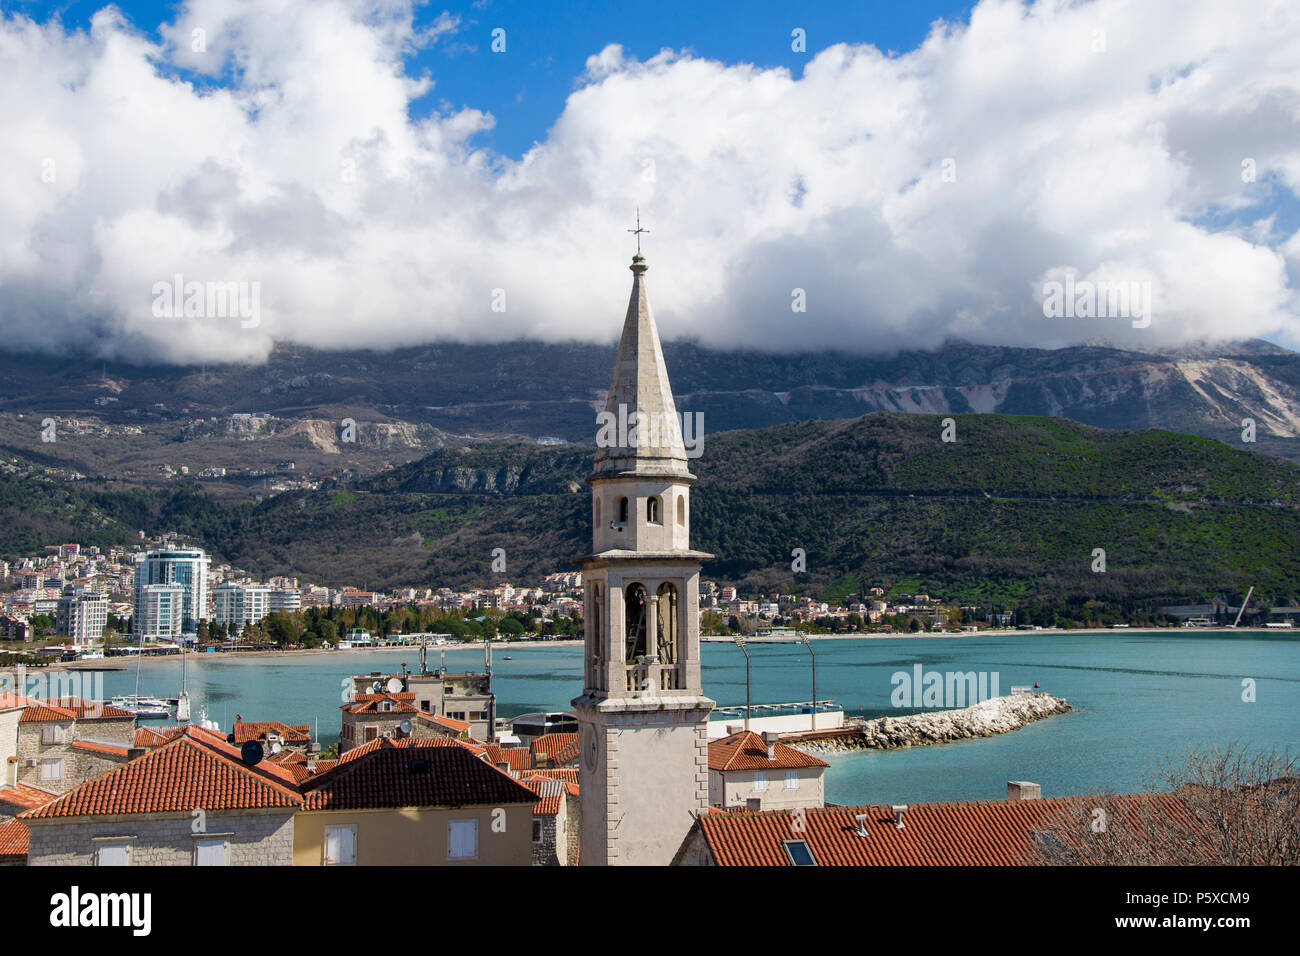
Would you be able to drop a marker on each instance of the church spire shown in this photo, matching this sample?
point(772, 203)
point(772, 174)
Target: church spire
point(640, 431)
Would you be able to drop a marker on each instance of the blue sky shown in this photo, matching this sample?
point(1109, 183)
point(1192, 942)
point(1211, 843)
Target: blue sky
point(922, 173)
point(547, 44)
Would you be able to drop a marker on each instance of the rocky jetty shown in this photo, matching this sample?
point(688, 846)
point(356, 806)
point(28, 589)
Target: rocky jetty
point(998, 715)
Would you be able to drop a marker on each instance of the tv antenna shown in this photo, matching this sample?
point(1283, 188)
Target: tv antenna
point(638, 230)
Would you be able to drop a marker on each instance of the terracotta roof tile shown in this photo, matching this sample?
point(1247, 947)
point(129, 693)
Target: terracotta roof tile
point(560, 748)
point(373, 704)
point(746, 751)
point(994, 833)
point(448, 723)
point(567, 774)
point(113, 750)
point(194, 769)
point(22, 796)
point(518, 758)
point(246, 730)
point(72, 708)
point(13, 840)
point(549, 793)
point(388, 775)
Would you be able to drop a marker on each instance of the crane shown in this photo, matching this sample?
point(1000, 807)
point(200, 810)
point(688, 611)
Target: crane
point(1242, 610)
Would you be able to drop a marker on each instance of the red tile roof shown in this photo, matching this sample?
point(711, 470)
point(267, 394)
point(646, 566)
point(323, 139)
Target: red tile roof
point(549, 793)
point(13, 841)
point(994, 833)
point(72, 708)
point(113, 750)
point(22, 796)
point(155, 736)
point(11, 701)
point(447, 723)
point(246, 730)
point(746, 751)
point(518, 758)
point(387, 776)
point(567, 774)
point(560, 748)
point(194, 769)
point(372, 704)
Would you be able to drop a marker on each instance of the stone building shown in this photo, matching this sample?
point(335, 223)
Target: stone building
point(190, 802)
point(642, 713)
point(747, 769)
point(66, 741)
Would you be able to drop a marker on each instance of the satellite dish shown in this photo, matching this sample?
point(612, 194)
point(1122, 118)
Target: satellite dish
point(251, 753)
point(394, 685)
point(230, 738)
point(376, 687)
point(276, 747)
point(405, 726)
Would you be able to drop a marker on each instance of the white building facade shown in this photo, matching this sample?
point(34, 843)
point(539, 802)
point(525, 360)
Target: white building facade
point(185, 568)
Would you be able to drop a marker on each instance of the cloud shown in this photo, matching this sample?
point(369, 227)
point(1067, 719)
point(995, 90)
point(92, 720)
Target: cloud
point(913, 199)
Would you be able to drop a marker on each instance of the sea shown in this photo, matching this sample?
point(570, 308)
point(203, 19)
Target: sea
point(1141, 700)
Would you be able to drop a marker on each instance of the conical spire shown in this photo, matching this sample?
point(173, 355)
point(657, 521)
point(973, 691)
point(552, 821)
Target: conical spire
point(640, 431)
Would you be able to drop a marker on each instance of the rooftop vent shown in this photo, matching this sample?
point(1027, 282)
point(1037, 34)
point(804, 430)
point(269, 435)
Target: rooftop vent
point(899, 809)
point(861, 829)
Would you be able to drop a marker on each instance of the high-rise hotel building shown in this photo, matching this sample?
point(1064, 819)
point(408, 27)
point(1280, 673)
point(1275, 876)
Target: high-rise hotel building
point(171, 591)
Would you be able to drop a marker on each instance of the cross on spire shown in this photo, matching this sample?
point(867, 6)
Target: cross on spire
point(638, 230)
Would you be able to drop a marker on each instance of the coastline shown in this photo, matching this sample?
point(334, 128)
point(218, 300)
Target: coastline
point(117, 662)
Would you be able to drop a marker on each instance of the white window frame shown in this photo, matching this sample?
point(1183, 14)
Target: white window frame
point(52, 734)
point(792, 779)
point(49, 762)
point(451, 826)
point(760, 781)
point(325, 845)
point(123, 845)
point(208, 842)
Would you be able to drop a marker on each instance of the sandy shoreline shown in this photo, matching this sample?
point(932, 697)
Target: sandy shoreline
point(118, 662)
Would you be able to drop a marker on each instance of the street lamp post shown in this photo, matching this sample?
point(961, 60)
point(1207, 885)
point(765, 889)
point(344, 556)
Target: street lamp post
point(808, 644)
point(740, 642)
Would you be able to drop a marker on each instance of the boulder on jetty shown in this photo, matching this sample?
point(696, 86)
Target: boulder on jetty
point(997, 715)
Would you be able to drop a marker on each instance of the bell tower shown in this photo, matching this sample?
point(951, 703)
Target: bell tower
point(642, 714)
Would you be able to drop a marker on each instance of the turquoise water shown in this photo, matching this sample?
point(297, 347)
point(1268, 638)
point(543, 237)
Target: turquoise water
point(1140, 697)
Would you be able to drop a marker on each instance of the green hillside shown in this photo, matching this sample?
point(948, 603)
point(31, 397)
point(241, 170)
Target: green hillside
point(1008, 514)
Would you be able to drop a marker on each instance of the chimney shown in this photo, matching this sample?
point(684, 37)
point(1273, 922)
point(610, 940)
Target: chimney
point(313, 754)
point(1024, 790)
point(769, 739)
point(899, 810)
point(753, 804)
point(861, 829)
point(733, 729)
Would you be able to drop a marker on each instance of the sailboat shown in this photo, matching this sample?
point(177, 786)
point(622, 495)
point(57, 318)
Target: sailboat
point(144, 708)
point(183, 701)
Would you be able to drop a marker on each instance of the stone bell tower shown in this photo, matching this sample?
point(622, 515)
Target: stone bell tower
point(642, 714)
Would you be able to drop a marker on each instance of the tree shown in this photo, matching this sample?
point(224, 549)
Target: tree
point(510, 627)
point(1222, 808)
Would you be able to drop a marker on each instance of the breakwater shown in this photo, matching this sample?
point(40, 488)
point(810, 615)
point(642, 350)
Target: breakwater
point(998, 715)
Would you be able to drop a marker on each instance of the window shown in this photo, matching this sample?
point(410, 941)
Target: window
point(681, 509)
point(537, 830)
point(341, 846)
point(596, 523)
point(53, 734)
point(462, 839)
point(113, 854)
point(372, 733)
point(760, 782)
point(652, 510)
point(622, 511)
point(799, 853)
point(210, 852)
point(424, 706)
point(792, 779)
point(52, 769)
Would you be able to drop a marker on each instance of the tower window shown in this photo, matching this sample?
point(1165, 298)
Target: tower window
point(597, 522)
point(681, 509)
point(622, 511)
point(652, 510)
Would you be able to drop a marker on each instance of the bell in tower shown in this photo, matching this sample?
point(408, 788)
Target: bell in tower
point(643, 716)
